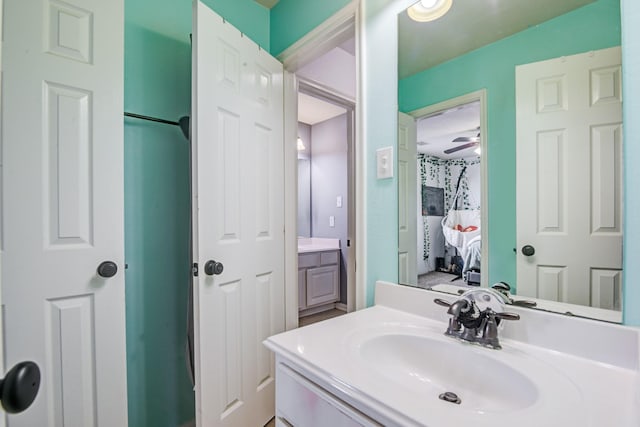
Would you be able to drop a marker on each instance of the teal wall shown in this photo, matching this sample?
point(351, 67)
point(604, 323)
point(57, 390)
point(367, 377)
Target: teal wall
point(595, 26)
point(631, 111)
point(157, 213)
point(292, 19)
point(379, 113)
point(172, 18)
point(157, 203)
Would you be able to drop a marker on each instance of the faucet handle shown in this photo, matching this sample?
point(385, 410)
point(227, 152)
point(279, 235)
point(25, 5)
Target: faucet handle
point(442, 302)
point(507, 316)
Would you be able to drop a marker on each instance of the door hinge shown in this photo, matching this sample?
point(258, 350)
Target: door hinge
point(348, 243)
point(194, 269)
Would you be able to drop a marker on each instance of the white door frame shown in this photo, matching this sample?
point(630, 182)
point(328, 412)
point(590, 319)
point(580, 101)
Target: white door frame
point(2, 417)
point(334, 31)
point(481, 96)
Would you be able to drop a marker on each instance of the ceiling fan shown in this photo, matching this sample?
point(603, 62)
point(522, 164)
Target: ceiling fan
point(468, 142)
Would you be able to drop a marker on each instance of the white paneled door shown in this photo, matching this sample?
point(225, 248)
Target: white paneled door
point(62, 216)
point(569, 185)
point(238, 222)
point(407, 200)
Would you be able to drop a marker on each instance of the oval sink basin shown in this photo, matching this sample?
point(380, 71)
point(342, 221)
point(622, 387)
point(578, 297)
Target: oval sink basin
point(434, 366)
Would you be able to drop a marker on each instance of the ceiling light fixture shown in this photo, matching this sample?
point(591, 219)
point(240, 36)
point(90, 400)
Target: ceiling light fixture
point(428, 10)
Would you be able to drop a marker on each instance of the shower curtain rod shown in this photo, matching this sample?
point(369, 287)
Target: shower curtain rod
point(183, 123)
point(151, 119)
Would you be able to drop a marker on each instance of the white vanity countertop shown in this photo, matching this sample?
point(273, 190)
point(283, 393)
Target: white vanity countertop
point(588, 392)
point(317, 244)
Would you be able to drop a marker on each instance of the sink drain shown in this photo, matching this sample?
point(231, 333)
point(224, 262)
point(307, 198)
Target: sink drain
point(451, 397)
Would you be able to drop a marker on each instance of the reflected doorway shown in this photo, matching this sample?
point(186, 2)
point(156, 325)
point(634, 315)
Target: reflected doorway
point(449, 194)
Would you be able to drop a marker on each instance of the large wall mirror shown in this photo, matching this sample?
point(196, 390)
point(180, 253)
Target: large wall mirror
point(548, 178)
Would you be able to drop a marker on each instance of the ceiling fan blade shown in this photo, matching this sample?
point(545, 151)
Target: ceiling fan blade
point(467, 139)
point(460, 147)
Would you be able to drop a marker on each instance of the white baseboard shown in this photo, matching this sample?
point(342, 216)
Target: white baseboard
point(341, 306)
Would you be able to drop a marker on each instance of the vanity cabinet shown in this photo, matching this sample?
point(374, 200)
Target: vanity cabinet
point(300, 402)
point(318, 278)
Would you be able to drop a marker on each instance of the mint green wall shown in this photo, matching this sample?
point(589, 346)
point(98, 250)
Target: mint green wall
point(591, 27)
point(157, 202)
point(157, 212)
point(379, 99)
point(631, 111)
point(292, 19)
point(379, 114)
point(172, 18)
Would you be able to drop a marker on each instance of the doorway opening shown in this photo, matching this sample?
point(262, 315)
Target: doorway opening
point(449, 161)
point(451, 193)
point(325, 152)
point(325, 83)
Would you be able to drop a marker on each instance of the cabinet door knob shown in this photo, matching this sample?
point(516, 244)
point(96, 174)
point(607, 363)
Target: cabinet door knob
point(212, 267)
point(107, 269)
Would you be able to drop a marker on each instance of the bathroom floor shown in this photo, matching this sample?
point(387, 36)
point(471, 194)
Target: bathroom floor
point(318, 317)
point(437, 278)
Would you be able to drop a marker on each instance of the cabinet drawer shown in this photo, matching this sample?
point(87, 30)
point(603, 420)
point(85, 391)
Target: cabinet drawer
point(309, 260)
point(299, 402)
point(327, 258)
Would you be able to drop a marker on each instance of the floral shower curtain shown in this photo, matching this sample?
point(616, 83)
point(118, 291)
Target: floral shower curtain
point(441, 173)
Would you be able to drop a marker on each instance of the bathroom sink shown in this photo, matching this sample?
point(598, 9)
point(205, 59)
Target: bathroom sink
point(463, 380)
point(393, 362)
point(435, 366)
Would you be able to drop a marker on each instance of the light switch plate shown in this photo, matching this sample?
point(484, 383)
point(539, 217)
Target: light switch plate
point(384, 157)
point(332, 221)
point(338, 201)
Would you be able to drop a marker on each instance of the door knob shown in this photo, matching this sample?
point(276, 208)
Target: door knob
point(528, 250)
point(107, 269)
point(19, 388)
point(212, 267)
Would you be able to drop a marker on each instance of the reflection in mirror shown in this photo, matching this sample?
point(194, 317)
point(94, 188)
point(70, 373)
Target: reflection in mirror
point(448, 167)
point(545, 231)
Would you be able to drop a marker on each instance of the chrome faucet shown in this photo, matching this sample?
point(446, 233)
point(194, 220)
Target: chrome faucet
point(476, 315)
point(505, 290)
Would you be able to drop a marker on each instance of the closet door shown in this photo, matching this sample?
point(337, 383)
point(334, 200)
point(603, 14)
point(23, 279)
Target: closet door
point(62, 216)
point(238, 209)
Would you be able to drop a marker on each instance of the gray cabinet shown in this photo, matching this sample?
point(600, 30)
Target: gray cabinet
point(318, 278)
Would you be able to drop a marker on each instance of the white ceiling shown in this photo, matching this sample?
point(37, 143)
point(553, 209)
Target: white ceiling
point(336, 70)
point(468, 25)
point(437, 132)
point(313, 110)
